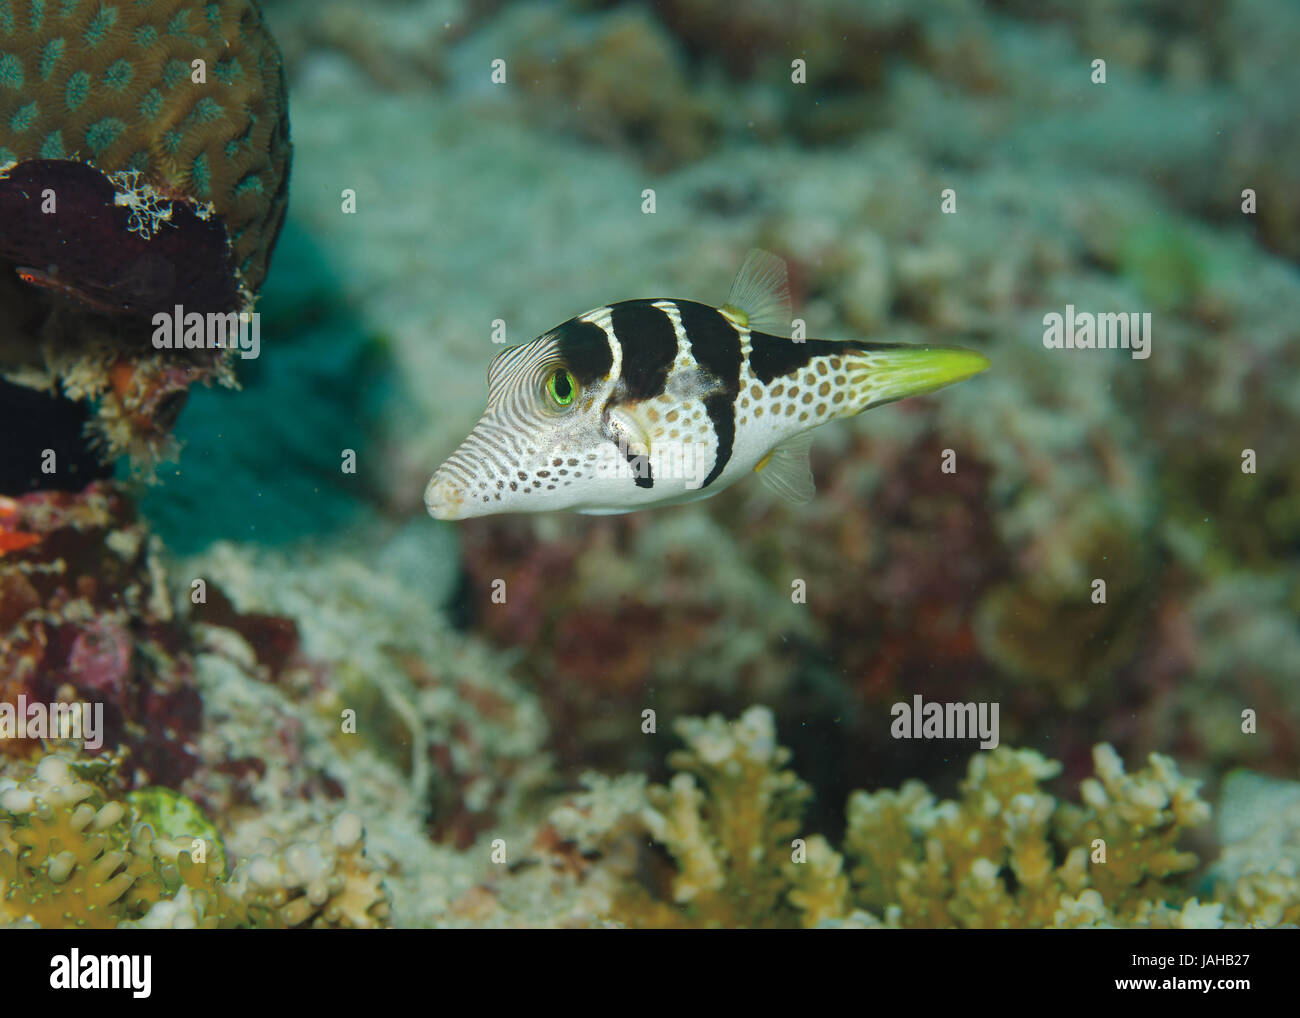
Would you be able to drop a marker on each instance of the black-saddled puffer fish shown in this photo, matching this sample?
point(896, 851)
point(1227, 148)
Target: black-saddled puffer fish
point(656, 402)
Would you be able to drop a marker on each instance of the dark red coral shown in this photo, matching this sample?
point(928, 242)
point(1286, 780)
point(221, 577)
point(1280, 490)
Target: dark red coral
point(273, 638)
point(67, 236)
point(84, 616)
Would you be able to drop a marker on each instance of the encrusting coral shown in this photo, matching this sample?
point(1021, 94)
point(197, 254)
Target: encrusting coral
point(72, 857)
point(85, 615)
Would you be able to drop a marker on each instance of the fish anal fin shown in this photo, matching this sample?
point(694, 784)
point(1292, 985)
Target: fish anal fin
point(786, 470)
point(760, 294)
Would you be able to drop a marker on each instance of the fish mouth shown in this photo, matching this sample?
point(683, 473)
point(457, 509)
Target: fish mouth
point(444, 499)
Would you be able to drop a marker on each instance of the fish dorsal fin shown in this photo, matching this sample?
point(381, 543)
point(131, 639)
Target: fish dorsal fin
point(760, 294)
point(786, 470)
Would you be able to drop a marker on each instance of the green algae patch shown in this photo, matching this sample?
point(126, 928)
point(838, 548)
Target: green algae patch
point(172, 815)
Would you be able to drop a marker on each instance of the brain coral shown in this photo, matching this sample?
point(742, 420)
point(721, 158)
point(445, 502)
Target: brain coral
point(117, 86)
point(144, 163)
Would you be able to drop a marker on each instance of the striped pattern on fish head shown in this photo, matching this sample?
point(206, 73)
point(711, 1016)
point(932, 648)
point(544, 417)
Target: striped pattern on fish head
point(537, 444)
point(625, 407)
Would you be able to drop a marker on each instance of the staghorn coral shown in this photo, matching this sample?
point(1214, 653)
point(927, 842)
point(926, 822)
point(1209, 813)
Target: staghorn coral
point(728, 818)
point(71, 857)
point(1068, 463)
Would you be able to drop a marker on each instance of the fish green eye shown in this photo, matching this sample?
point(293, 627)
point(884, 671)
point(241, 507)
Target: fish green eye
point(562, 386)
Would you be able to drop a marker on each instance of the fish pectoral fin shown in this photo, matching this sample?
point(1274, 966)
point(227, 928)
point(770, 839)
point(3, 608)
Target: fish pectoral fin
point(760, 294)
point(625, 430)
point(786, 469)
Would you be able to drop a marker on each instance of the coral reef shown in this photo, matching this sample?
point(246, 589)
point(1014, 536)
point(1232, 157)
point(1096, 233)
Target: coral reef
point(1009, 855)
point(71, 857)
point(86, 616)
point(368, 674)
point(722, 844)
point(145, 166)
point(369, 670)
point(1258, 872)
point(1005, 854)
point(114, 87)
point(1124, 485)
point(624, 617)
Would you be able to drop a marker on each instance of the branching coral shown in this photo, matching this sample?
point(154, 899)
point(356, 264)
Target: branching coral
point(71, 857)
point(729, 818)
point(61, 851)
point(1258, 874)
point(323, 881)
point(1005, 854)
